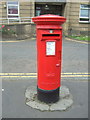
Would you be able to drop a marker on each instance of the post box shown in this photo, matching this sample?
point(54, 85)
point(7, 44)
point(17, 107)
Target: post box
point(49, 56)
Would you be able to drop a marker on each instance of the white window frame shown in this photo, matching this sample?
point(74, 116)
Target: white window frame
point(88, 21)
point(12, 14)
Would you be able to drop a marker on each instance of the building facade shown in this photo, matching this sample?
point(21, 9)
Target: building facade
point(13, 12)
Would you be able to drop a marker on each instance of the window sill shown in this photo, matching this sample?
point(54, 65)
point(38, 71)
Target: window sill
point(84, 22)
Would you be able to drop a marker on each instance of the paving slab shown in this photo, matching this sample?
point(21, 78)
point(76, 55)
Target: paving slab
point(63, 104)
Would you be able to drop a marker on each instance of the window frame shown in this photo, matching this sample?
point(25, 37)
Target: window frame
point(17, 15)
point(88, 21)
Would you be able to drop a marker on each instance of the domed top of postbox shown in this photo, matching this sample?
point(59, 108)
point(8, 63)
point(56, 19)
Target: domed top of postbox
point(49, 19)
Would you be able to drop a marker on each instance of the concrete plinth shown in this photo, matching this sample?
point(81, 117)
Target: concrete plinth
point(63, 104)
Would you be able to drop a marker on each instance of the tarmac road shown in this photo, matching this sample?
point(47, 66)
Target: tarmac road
point(20, 57)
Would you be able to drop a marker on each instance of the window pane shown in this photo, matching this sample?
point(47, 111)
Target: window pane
point(85, 6)
point(12, 10)
point(10, 16)
point(84, 13)
point(38, 8)
point(15, 3)
point(38, 12)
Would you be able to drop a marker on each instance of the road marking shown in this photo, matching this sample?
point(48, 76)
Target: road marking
point(8, 41)
point(34, 75)
point(61, 76)
point(18, 73)
point(31, 38)
point(14, 41)
point(76, 73)
point(78, 41)
point(18, 76)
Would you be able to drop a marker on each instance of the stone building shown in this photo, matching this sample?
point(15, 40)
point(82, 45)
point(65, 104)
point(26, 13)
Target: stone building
point(19, 13)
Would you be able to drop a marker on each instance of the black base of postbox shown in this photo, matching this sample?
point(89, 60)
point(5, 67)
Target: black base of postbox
point(48, 96)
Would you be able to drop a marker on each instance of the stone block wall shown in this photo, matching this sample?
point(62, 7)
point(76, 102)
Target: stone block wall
point(3, 12)
point(22, 31)
point(72, 25)
point(70, 10)
point(26, 9)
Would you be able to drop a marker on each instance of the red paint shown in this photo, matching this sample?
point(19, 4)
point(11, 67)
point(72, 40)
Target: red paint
point(49, 66)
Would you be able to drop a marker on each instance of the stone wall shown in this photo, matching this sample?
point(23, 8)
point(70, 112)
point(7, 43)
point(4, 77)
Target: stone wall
point(71, 11)
point(22, 31)
point(26, 9)
point(0, 9)
point(3, 11)
point(66, 14)
point(72, 25)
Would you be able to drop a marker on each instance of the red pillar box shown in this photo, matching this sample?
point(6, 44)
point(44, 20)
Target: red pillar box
point(49, 56)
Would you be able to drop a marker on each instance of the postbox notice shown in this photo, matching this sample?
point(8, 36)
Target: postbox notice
point(50, 48)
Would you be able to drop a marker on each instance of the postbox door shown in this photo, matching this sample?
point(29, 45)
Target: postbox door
point(49, 64)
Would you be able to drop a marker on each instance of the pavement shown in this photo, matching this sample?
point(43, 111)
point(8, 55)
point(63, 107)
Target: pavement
point(13, 97)
point(19, 60)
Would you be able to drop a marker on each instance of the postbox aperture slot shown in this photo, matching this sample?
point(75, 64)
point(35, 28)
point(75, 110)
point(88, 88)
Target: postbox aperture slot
point(50, 48)
point(50, 35)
